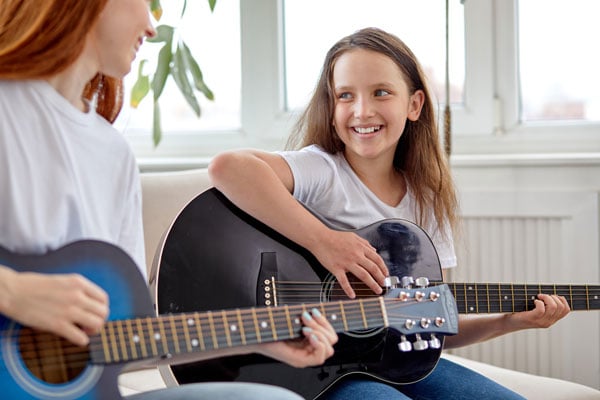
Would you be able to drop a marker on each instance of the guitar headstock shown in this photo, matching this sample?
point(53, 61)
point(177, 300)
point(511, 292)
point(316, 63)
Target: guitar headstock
point(427, 311)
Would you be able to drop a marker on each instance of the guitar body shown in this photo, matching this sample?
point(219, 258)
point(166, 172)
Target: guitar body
point(111, 269)
point(216, 256)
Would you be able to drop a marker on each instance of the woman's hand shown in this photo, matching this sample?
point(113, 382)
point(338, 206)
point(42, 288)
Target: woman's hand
point(313, 349)
point(67, 305)
point(346, 252)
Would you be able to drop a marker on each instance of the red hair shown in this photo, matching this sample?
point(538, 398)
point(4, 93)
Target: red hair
point(39, 39)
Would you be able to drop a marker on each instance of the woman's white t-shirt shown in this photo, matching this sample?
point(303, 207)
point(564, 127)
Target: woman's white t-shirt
point(65, 175)
point(328, 186)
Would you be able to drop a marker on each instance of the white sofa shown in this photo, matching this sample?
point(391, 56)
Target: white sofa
point(166, 193)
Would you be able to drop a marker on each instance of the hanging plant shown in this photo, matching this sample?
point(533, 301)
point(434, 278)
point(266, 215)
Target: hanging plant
point(175, 60)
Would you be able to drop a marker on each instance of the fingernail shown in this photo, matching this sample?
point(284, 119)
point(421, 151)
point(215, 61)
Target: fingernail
point(315, 338)
point(306, 329)
point(316, 312)
point(306, 315)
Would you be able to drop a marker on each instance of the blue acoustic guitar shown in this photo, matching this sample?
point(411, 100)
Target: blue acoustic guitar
point(40, 365)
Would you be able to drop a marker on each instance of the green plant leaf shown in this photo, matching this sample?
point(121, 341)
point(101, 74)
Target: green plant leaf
point(212, 4)
point(156, 126)
point(164, 33)
point(140, 88)
point(156, 9)
point(163, 66)
point(183, 8)
point(179, 74)
point(195, 71)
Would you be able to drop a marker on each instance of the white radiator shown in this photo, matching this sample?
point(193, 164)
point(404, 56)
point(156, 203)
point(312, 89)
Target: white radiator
point(518, 240)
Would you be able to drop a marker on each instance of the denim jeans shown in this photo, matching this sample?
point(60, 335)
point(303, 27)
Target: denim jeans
point(448, 381)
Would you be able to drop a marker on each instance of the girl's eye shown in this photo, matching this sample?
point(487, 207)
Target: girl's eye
point(381, 92)
point(344, 96)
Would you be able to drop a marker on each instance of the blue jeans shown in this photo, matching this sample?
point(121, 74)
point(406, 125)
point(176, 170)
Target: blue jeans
point(218, 390)
point(448, 381)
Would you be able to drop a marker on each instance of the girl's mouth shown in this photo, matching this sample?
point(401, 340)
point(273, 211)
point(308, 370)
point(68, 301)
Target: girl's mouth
point(365, 131)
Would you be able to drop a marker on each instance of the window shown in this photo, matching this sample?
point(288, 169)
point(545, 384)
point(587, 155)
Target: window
point(557, 60)
point(498, 62)
point(305, 49)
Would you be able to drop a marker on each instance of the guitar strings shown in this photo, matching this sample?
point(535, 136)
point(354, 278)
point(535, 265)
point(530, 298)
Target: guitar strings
point(218, 329)
point(297, 289)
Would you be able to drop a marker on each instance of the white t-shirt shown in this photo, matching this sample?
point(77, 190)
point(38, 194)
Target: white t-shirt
point(327, 184)
point(65, 175)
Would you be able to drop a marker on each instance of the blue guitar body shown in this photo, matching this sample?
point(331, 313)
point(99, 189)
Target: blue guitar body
point(107, 266)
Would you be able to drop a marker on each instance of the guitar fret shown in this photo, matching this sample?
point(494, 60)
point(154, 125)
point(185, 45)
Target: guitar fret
point(186, 332)
point(256, 328)
point(142, 340)
point(343, 314)
point(174, 335)
point(213, 333)
point(132, 344)
point(241, 325)
point(151, 336)
point(121, 335)
point(289, 321)
point(226, 328)
point(587, 297)
point(105, 346)
point(163, 336)
point(113, 342)
point(201, 340)
point(274, 332)
point(363, 314)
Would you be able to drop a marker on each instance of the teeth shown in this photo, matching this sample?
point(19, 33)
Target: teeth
point(366, 130)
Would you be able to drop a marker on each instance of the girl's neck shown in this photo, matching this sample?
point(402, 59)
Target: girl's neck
point(382, 179)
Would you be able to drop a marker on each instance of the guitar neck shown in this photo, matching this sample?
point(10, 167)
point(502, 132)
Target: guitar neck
point(475, 298)
point(141, 338)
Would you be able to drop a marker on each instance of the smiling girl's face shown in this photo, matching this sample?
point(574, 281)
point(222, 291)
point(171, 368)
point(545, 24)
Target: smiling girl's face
point(372, 104)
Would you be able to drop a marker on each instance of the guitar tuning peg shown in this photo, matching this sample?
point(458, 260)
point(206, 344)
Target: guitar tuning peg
point(422, 282)
point(391, 282)
point(407, 282)
point(434, 342)
point(404, 344)
point(420, 343)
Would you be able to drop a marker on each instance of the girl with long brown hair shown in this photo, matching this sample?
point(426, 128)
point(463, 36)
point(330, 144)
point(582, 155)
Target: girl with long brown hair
point(369, 150)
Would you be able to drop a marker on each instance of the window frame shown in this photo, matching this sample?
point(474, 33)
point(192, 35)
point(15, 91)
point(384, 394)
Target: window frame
point(488, 123)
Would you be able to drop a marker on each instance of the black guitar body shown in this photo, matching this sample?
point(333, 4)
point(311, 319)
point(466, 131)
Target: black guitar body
point(216, 256)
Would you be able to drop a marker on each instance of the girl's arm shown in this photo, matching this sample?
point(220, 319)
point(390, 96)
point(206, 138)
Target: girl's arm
point(262, 184)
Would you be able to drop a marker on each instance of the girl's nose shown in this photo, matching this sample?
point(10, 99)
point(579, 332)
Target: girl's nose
point(363, 108)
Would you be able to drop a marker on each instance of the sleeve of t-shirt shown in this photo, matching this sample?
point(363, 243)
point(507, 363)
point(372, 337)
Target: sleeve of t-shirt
point(312, 172)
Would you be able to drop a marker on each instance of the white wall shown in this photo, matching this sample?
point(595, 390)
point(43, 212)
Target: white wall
point(534, 220)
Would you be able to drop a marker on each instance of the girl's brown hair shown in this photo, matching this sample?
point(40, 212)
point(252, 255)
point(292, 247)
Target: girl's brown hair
point(418, 154)
point(41, 38)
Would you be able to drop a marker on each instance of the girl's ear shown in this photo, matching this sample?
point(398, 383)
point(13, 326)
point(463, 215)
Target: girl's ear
point(416, 101)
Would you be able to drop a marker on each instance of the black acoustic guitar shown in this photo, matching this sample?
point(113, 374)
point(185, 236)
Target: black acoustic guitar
point(38, 365)
point(214, 255)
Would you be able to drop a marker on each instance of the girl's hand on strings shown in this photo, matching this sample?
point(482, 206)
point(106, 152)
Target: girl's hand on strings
point(346, 252)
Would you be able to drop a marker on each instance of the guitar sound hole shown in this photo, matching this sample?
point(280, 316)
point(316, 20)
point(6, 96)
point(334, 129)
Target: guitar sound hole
point(49, 358)
point(334, 291)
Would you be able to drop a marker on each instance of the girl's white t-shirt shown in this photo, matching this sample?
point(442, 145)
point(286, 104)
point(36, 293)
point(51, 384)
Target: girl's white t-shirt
point(327, 185)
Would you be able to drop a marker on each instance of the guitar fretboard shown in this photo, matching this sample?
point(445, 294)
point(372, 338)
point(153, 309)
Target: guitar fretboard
point(133, 339)
point(473, 298)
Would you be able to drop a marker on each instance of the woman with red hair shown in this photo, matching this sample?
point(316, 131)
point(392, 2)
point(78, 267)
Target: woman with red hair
point(66, 174)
